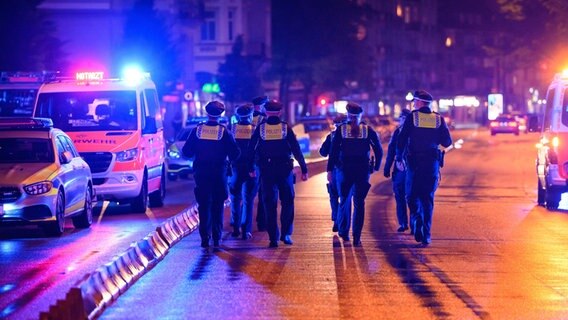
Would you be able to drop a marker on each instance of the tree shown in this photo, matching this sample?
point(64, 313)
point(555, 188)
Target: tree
point(146, 42)
point(29, 41)
point(237, 75)
point(538, 30)
point(315, 42)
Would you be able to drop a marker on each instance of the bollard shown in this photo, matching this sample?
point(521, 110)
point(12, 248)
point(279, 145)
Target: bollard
point(158, 243)
point(115, 276)
point(126, 272)
point(144, 249)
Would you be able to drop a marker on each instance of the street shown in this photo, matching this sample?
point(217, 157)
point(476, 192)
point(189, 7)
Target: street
point(494, 255)
point(36, 270)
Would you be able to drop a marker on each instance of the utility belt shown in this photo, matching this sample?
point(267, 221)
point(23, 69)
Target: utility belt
point(432, 155)
point(211, 164)
point(354, 161)
point(426, 154)
point(275, 161)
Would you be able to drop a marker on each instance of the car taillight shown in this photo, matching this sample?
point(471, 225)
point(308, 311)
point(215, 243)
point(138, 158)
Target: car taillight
point(494, 124)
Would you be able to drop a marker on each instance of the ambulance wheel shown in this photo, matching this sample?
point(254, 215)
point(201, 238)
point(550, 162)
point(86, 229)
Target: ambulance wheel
point(140, 203)
point(552, 199)
point(157, 197)
point(541, 194)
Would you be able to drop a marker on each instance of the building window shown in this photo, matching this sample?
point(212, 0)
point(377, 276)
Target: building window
point(231, 23)
point(208, 29)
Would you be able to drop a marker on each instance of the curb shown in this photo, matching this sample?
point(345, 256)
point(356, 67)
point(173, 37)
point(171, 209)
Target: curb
point(88, 298)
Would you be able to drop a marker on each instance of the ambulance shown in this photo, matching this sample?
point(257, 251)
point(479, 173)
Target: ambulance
point(117, 127)
point(552, 157)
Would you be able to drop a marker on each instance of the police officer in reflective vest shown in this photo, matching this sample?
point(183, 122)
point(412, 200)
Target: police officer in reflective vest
point(272, 146)
point(350, 154)
point(398, 177)
point(332, 186)
point(242, 186)
point(211, 144)
point(422, 133)
point(258, 117)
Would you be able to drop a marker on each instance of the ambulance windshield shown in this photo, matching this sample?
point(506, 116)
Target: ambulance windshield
point(565, 108)
point(89, 111)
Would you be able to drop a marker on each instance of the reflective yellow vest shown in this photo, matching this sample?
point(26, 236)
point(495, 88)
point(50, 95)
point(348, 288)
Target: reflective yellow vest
point(426, 120)
point(273, 131)
point(205, 132)
point(346, 132)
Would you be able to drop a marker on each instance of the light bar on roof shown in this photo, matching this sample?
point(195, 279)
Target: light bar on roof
point(89, 76)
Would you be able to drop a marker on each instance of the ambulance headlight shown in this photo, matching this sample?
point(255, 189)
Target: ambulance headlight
point(127, 155)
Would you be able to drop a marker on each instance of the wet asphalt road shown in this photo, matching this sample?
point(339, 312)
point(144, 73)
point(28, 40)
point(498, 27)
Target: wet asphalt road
point(494, 255)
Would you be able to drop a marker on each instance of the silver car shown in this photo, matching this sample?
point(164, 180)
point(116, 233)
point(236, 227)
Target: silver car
point(43, 180)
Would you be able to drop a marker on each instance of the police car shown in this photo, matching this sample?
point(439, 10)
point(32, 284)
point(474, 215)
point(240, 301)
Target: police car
point(43, 180)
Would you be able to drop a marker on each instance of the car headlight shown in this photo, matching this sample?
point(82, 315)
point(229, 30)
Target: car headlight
point(174, 154)
point(38, 188)
point(127, 155)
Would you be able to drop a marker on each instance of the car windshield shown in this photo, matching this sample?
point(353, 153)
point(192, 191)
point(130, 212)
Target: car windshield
point(184, 133)
point(26, 150)
point(565, 108)
point(17, 102)
point(90, 111)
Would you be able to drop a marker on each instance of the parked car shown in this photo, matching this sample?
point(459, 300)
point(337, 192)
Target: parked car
point(178, 165)
point(43, 179)
point(504, 123)
point(311, 133)
point(383, 125)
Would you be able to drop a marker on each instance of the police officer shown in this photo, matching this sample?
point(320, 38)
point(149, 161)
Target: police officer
point(398, 177)
point(272, 146)
point(332, 186)
point(242, 186)
point(421, 134)
point(350, 154)
point(258, 117)
point(211, 143)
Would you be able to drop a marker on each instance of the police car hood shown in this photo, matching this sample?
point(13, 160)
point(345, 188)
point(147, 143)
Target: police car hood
point(97, 141)
point(25, 173)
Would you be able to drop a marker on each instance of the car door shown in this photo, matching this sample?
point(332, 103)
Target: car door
point(76, 177)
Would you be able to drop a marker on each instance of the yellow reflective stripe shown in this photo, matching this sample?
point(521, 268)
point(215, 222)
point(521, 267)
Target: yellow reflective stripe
point(346, 132)
point(273, 131)
point(205, 132)
point(426, 120)
point(242, 131)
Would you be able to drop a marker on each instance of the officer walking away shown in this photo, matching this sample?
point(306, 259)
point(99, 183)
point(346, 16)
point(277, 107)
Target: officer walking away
point(398, 177)
point(332, 186)
point(350, 154)
point(258, 117)
point(272, 146)
point(211, 143)
point(242, 187)
point(420, 137)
